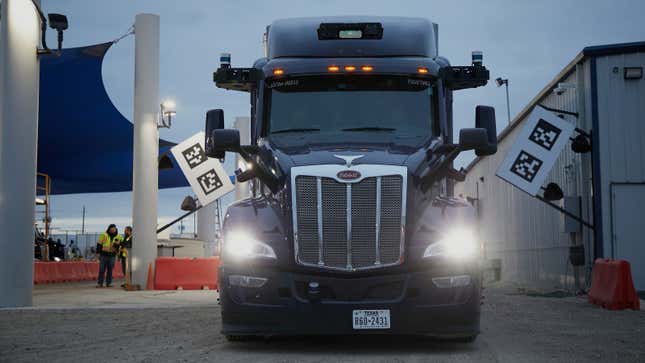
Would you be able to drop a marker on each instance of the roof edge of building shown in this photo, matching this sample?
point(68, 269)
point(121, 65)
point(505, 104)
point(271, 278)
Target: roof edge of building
point(587, 52)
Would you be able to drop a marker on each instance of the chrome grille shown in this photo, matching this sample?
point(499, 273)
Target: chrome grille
point(390, 219)
point(348, 225)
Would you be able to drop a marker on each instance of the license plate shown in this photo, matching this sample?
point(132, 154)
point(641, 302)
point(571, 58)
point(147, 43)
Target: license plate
point(371, 319)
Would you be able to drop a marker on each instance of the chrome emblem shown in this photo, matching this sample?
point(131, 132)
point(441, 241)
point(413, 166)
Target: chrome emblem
point(349, 158)
point(348, 174)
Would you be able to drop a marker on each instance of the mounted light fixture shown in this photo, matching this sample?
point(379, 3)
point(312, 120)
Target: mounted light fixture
point(580, 144)
point(59, 23)
point(165, 162)
point(56, 21)
point(168, 110)
point(189, 204)
point(504, 82)
point(633, 73)
point(553, 192)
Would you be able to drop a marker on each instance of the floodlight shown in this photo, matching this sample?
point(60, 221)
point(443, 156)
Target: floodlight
point(59, 23)
point(168, 110)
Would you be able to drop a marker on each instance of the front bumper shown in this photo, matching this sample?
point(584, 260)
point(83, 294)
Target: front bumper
point(283, 305)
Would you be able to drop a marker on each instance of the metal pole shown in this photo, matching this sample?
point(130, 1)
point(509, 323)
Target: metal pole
point(566, 212)
point(508, 104)
point(243, 124)
point(83, 225)
point(19, 81)
point(146, 146)
point(206, 228)
point(168, 225)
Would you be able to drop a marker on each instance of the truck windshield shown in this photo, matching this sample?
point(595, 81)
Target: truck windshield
point(342, 106)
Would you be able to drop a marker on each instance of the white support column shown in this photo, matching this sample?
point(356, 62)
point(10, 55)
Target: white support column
point(206, 228)
point(19, 82)
point(145, 181)
point(243, 124)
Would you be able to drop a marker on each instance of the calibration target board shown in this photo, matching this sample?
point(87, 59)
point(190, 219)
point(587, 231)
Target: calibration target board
point(206, 176)
point(535, 150)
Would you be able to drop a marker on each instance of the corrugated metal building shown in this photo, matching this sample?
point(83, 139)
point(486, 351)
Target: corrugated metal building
point(524, 235)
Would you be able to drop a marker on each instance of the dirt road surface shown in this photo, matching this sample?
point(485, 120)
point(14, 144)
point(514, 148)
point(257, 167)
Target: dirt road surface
point(515, 328)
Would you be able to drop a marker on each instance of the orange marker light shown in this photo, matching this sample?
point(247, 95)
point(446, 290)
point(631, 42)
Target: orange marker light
point(367, 68)
point(350, 68)
point(278, 72)
point(333, 68)
point(422, 70)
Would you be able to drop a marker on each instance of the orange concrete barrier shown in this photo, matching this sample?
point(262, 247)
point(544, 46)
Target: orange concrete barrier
point(173, 273)
point(612, 286)
point(39, 274)
point(117, 273)
point(88, 273)
point(70, 271)
point(94, 269)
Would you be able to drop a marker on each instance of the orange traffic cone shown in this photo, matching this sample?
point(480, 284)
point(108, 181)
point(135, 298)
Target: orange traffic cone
point(150, 285)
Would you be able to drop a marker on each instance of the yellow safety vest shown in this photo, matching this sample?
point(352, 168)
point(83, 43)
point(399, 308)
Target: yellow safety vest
point(122, 250)
point(107, 243)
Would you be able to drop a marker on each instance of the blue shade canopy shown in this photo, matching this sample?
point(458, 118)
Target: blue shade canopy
point(84, 143)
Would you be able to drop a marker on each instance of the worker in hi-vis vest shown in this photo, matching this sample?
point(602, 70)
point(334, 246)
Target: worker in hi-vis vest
point(124, 251)
point(107, 247)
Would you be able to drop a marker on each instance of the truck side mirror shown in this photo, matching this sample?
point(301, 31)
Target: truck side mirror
point(472, 138)
point(225, 140)
point(485, 119)
point(214, 121)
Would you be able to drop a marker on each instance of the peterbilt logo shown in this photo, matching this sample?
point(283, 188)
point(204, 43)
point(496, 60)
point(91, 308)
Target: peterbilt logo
point(349, 159)
point(348, 174)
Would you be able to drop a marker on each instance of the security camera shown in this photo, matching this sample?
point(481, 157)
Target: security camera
point(59, 23)
point(563, 87)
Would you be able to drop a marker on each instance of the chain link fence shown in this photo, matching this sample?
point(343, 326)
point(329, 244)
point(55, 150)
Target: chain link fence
point(84, 245)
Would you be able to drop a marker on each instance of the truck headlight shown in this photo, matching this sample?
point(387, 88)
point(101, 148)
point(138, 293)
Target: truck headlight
point(242, 246)
point(458, 244)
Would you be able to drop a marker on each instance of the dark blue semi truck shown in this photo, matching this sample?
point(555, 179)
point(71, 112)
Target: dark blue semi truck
point(352, 227)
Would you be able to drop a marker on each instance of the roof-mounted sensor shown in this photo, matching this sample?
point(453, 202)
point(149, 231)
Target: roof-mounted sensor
point(333, 31)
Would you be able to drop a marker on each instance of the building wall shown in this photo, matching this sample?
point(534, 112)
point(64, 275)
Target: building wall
point(519, 230)
point(524, 233)
point(621, 118)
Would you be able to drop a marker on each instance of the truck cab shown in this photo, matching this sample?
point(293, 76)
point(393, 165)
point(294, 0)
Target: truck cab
point(351, 227)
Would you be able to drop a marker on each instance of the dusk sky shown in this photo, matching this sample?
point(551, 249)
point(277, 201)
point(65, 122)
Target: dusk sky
point(528, 42)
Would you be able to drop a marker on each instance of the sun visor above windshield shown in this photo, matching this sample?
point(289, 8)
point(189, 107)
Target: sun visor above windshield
point(379, 37)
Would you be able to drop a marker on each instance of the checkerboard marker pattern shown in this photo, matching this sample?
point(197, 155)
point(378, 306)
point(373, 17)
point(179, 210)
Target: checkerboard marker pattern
point(535, 150)
point(206, 176)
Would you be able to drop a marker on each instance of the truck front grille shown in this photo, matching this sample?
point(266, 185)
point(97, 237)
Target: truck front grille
point(349, 226)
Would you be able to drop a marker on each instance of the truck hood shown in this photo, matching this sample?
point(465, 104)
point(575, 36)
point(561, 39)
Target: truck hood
point(370, 156)
point(301, 154)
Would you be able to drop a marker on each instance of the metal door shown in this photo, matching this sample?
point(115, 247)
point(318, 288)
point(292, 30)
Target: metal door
point(628, 224)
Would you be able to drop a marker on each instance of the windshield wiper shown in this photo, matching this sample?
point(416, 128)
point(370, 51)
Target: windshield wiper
point(293, 130)
point(388, 129)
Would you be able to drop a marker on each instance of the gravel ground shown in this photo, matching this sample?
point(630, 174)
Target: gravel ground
point(516, 328)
